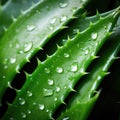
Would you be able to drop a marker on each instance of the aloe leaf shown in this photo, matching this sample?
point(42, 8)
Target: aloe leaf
point(11, 10)
point(30, 32)
point(78, 25)
point(54, 78)
point(81, 101)
point(79, 110)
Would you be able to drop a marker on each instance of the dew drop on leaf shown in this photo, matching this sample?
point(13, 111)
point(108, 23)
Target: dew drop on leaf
point(30, 27)
point(57, 89)
point(3, 77)
point(86, 52)
point(10, 45)
point(55, 99)
point(23, 115)
point(47, 110)
point(47, 70)
point(63, 18)
point(47, 92)
point(75, 31)
point(74, 67)
point(27, 47)
point(50, 82)
point(29, 93)
point(12, 60)
point(5, 67)
point(53, 20)
point(5, 61)
point(11, 118)
point(66, 118)
point(64, 41)
point(74, 9)
point(94, 36)
point(29, 112)
point(41, 106)
point(17, 45)
point(59, 69)
point(21, 101)
point(37, 11)
point(63, 4)
point(51, 27)
point(66, 55)
point(20, 52)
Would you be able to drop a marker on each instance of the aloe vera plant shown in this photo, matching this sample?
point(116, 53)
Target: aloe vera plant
point(40, 30)
point(48, 71)
point(52, 81)
point(83, 103)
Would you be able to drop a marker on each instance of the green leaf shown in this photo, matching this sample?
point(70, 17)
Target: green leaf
point(31, 32)
point(54, 78)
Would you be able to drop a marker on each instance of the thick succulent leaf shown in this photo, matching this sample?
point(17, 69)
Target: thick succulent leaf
point(11, 10)
point(108, 101)
point(30, 32)
point(54, 78)
point(77, 25)
point(80, 110)
point(90, 83)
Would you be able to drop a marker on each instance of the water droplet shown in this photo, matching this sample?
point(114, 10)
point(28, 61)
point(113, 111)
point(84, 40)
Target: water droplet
point(27, 47)
point(3, 77)
point(23, 115)
point(51, 27)
point(30, 27)
point(63, 4)
point(29, 112)
point(47, 92)
point(20, 52)
point(41, 106)
point(12, 60)
point(82, 70)
point(94, 36)
point(5, 61)
point(37, 11)
point(34, 103)
point(5, 67)
point(29, 93)
point(99, 77)
point(74, 9)
point(10, 45)
point(86, 52)
point(59, 70)
point(63, 18)
point(50, 82)
point(47, 7)
point(75, 31)
point(47, 70)
point(66, 118)
point(57, 89)
point(17, 45)
point(47, 110)
point(53, 20)
point(11, 118)
point(64, 41)
point(21, 101)
point(83, 0)
point(74, 67)
point(55, 99)
point(66, 55)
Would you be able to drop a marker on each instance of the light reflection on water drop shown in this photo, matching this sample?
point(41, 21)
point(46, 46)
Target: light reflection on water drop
point(63, 4)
